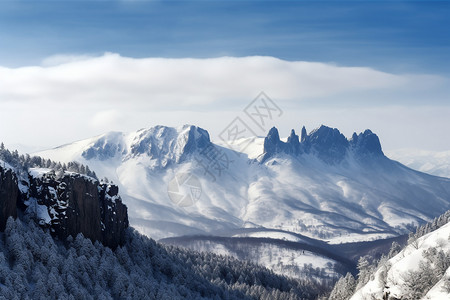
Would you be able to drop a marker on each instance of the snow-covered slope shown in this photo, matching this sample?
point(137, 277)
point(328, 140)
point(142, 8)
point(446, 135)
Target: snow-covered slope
point(419, 271)
point(432, 162)
point(321, 185)
point(290, 258)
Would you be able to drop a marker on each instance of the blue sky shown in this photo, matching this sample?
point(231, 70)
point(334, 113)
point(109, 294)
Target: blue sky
point(393, 36)
point(378, 64)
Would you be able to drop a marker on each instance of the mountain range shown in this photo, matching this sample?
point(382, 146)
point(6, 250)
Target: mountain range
point(299, 205)
point(321, 185)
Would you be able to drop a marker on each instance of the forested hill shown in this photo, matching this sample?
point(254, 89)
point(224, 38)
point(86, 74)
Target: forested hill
point(35, 265)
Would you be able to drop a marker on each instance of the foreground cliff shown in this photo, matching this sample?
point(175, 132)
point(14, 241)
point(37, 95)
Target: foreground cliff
point(8, 194)
point(72, 203)
point(67, 203)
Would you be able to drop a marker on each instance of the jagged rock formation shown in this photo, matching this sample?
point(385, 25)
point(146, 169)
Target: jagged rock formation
point(327, 143)
point(273, 144)
point(366, 143)
point(78, 204)
point(8, 195)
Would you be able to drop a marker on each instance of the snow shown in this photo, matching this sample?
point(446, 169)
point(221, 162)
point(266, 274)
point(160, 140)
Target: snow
point(432, 162)
point(41, 211)
point(408, 260)
point(357, 237)
point(253, 147)
point(5, 165)
point(438, 291)
point(39, 172)
point(283, 261)
point(85, 177)
point(272, 235)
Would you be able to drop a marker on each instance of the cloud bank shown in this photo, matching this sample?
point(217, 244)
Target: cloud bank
point(71, 97)
point(162, 83)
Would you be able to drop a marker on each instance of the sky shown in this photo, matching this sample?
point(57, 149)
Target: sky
point(70, 70)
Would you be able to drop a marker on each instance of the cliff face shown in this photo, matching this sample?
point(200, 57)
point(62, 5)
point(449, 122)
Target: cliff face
point(8, 196)
point(114, 215)
point(74, 204)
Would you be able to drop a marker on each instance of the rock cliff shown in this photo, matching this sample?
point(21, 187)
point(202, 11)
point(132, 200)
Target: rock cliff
point(8, 195)
point(78, 204)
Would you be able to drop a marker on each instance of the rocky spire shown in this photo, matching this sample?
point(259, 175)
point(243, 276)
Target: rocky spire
point(304, 135)
point(272, 142)
point(293, 143)
point(327, 143)
point(366, 143)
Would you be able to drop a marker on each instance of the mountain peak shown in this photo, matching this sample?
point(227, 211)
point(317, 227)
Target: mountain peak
point(327, 143)
point(304, 134)
point(272, 143)
point(161, 144)
point(366, 142)
point(168, 145)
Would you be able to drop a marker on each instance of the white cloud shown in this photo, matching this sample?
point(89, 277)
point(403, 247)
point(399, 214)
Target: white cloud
point(74, 97)
point(162, 83)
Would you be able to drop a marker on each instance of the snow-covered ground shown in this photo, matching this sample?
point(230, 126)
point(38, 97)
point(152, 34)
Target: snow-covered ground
point(5, 165)
point(299, 258)
point(393, 279)
point(272, 235)
point(284, 261)
point(39, 172)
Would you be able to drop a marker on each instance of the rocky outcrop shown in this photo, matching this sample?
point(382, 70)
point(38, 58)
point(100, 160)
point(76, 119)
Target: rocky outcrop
point(75, 204)
point(114, 215)
point(366, 143)
point(304, 135)
point(293, 143)
point(9, 193)
point(328, 144)
point(273, 144)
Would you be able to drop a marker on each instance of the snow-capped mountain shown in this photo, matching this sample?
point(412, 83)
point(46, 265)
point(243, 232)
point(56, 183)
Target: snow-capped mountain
point(176, 182)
